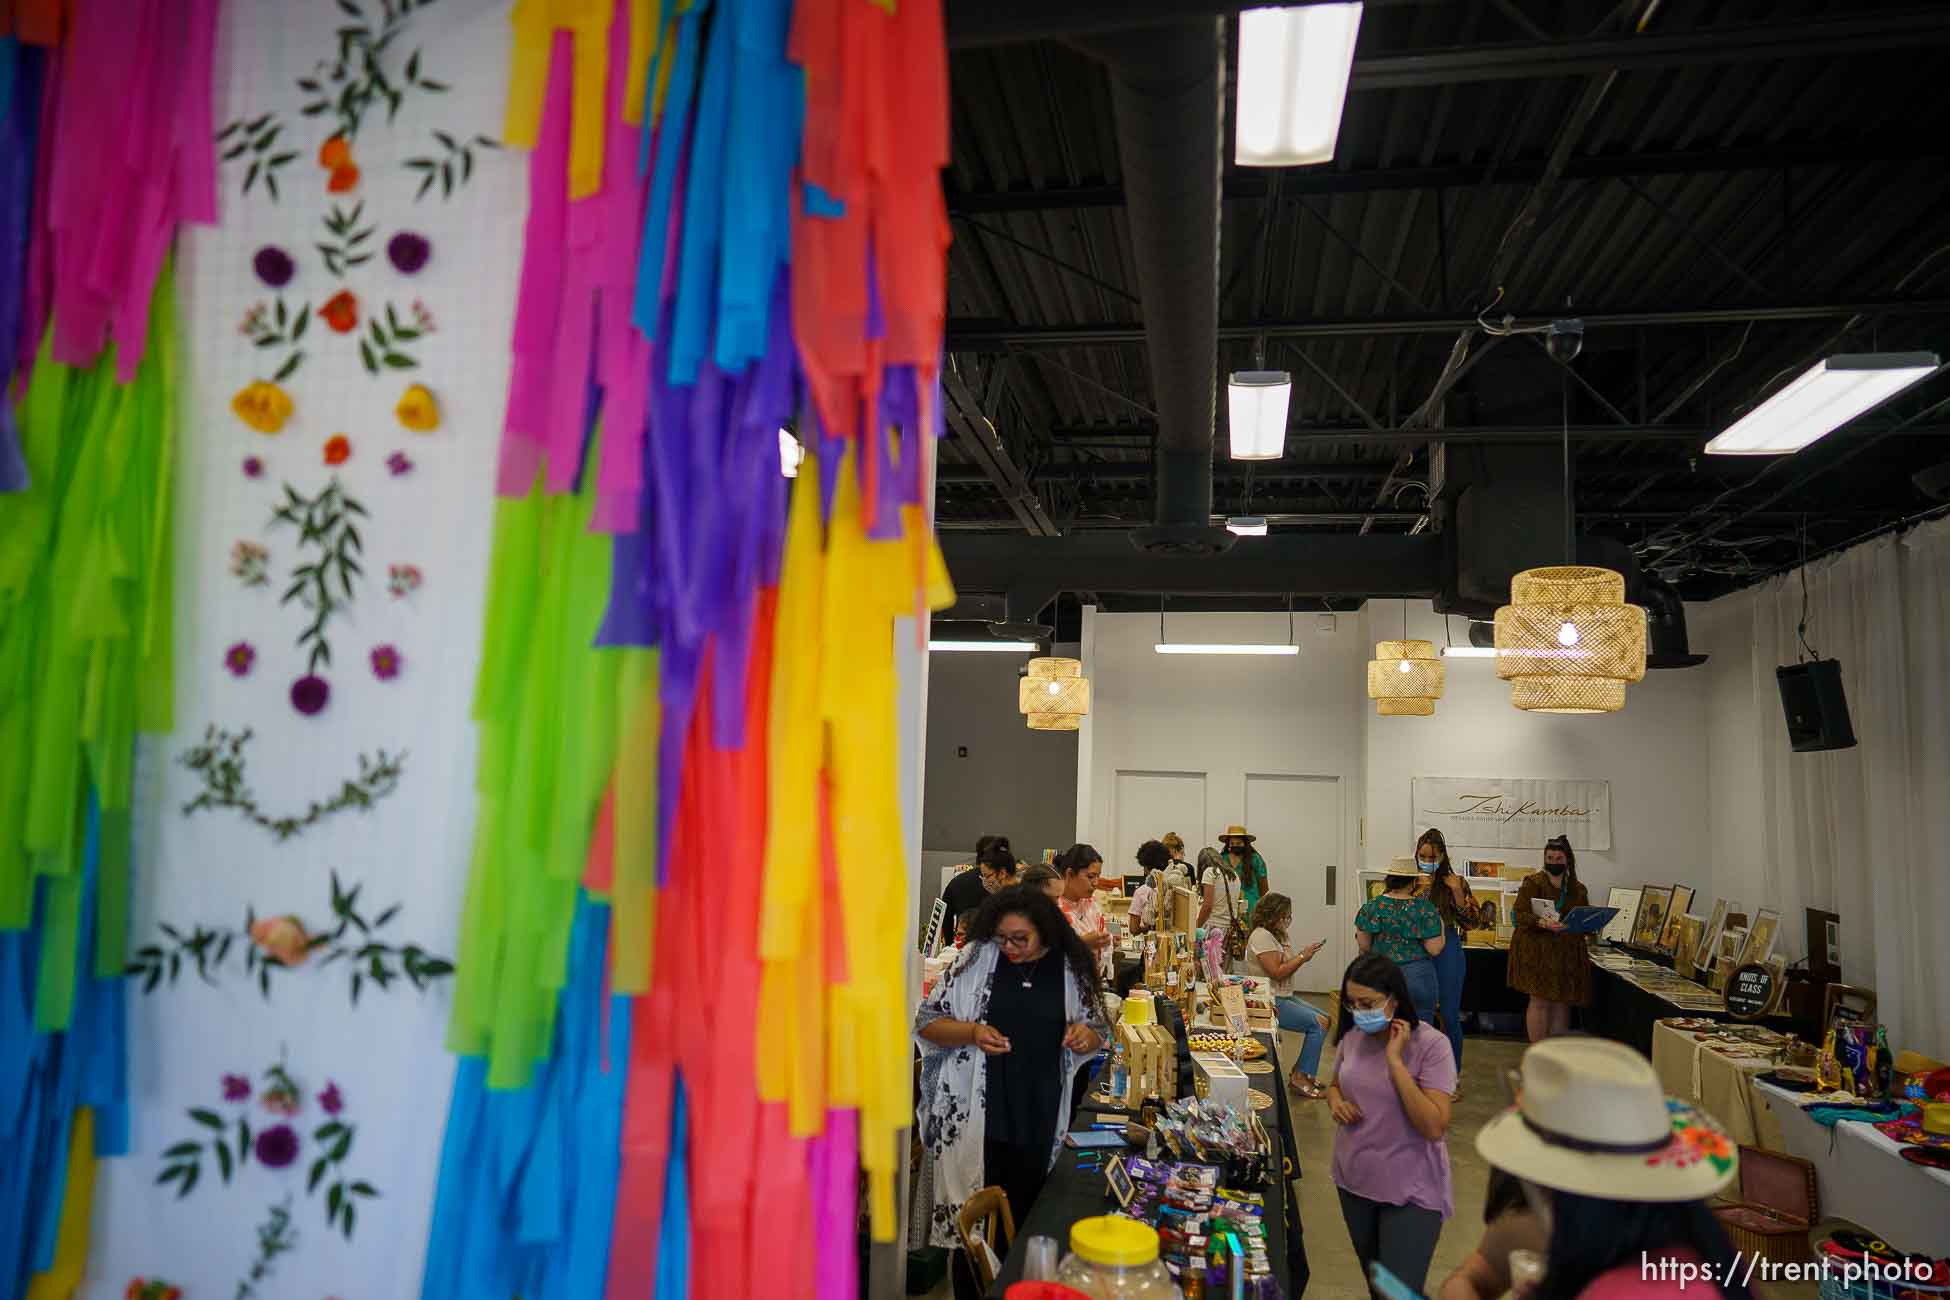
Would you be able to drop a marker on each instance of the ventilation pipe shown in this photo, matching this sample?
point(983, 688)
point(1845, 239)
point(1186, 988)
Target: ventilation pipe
point(1168, 88)
point(1665, 626)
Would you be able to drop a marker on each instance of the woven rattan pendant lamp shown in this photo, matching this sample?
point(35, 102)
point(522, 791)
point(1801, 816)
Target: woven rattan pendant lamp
point(1567, 642)
point(1053, 695)
point(1405, 678)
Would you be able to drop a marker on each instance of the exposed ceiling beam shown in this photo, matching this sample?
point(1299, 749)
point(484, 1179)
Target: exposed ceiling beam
point(1311, 565)
point(975, 335)
point(977, 436)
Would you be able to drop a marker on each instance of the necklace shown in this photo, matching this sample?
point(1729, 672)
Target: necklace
point(1028, 972)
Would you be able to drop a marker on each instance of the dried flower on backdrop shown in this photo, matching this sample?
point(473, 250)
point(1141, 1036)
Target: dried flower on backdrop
point(403, 579)
point(417, 410)
point(239, 658)
point(274, 266)
point(408, 252)
point(276, 944)
point(386, 662)
point(342, 174)
point(263, 406)
point(310, 694)
point(341, 312)
point(152, 1288)
point(253, 467)
point(230, 1143)
point(338, 449)
point(276, 326)
point(400, 465)
point(324, 522)
point(275, 1236)
point(357, 78)
point(219, 762)
point(250, 563)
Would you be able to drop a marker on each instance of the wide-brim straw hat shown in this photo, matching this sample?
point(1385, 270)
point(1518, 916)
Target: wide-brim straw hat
point(1592, 1120)
point(1236, 832)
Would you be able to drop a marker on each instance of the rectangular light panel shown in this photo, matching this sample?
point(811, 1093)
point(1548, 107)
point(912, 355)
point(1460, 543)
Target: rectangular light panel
point(1294, 65)
point(1223, 648)
point(1823, 398)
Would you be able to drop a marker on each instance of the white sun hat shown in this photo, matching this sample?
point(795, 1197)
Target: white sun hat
point(1592, 1120)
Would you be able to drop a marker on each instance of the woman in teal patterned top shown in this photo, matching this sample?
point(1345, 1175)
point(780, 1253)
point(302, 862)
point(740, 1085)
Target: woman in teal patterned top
point(1407, 931)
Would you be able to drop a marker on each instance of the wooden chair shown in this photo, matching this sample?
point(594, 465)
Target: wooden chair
point(981, 1216)
point(1778, 1205)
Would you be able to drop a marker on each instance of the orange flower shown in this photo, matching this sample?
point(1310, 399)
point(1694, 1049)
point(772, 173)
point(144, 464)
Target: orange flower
point(417, 410)
point(283, 939)
point(335, 152)
point(338, 449)
point(344, 179)
point(263, 406)
point(341, 311)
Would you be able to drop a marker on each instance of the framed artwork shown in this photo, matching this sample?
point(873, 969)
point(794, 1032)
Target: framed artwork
point(1824, 943)
point(1685, 951)
point(1651, 922)
point(1682, 899)
point(1373, 886)
point(1118, 1178)
point(1627, 903)
point(1760, 937)
point(1709, 944)
point(937, 918)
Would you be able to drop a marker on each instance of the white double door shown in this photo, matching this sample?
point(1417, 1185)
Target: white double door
point(1300, 822)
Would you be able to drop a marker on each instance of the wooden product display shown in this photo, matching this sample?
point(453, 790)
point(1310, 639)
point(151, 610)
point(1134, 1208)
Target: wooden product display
point(1151, 1059)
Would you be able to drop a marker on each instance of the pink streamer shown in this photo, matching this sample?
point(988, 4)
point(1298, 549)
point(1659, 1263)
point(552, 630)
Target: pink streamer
point(836, 1206)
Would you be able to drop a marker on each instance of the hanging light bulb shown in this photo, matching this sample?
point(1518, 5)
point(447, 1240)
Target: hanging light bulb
point(1567, 642)
point(1053, 695)
point(1405, 679)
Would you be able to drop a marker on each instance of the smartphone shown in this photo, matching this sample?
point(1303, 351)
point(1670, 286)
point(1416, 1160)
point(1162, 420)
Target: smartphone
point(1094, 1139)
point(1390, 1287)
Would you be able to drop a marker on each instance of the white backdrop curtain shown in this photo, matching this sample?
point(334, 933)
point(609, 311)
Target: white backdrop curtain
point(1865, 832)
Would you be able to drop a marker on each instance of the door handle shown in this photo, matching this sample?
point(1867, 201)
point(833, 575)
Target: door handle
point(1332, 871)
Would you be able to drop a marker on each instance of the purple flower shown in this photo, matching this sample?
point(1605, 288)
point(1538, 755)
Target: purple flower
point(239, 658)
point(399, 464)
point(236, 1088)
point(277, 1146)
point(330, 1101)
point(253, 467)
point(408, 251)
point(274, 266)
point(386, 662)
point(310, 694)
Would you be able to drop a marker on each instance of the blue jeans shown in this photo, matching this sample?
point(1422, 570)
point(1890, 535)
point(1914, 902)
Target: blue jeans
point(1297, 1017)
point(1450, 968)
point(1423, 988)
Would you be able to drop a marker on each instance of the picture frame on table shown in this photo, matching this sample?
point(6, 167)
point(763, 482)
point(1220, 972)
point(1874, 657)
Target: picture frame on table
point(1709, 944)
point(1680, 903)
point(1627, 903)
point(1824, 943)
point(1685, 951)
point(1651, 922)
point(1761, 933)
point(1778, 965)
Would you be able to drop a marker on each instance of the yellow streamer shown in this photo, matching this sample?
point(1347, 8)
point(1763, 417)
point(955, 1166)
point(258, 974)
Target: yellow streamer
point(587, 21)
point(63, 1276)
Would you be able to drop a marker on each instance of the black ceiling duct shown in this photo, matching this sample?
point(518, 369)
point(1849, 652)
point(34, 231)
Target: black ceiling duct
point(1665, 619)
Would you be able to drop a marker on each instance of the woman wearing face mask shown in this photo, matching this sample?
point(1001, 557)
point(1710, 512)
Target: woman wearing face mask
point(1406, 929)
point(1620, 1174)
point(1268, 954)
point(1456, 905)
point(1549, 963)
point(1002, 1036)
point(1390, 1099)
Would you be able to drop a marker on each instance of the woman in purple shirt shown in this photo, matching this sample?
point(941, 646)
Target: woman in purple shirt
point(1391, 1095)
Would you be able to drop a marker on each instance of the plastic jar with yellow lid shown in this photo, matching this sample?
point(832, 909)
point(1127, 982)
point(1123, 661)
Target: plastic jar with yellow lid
point(1116, 1259)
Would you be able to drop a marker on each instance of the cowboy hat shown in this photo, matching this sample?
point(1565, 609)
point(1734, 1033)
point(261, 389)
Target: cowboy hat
point(1236, 832)
point(1591, 1119)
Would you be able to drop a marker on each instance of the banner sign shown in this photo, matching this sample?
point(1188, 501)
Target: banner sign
point(1483, 812)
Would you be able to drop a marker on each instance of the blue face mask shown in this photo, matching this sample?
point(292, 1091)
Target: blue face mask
point(1429, 868)
point(1371, 1022)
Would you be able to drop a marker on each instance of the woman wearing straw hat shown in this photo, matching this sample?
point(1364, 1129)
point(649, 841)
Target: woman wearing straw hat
point(1619, 1172)
point(1245, 863)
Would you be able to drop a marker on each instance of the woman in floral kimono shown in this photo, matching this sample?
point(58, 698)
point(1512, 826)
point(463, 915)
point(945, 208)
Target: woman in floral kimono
point(1002, 1035)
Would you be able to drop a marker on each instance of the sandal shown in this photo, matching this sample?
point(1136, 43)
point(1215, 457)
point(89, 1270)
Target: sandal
point(1305, 1089)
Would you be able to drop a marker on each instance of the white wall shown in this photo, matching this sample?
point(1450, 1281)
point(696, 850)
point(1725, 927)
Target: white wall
point(1653, 752)
point(1734, 735)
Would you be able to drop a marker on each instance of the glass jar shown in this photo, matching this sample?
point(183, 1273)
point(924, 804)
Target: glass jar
point(1116, 1259)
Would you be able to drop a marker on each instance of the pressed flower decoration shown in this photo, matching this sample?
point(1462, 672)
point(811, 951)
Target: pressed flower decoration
point(422, 318)
point(331, 1101)
point(275, 945)
point(152, 1288)
point(338, 449)
point(408, 252)
point(274, 266)
point(452, 169)
point(400, 465)
point(219, 762)
point(229, 1142)
point(417, 410)
point(236, 1087)
point(257, 140)
point(276, 326)
point(239, 658)
point(253, 467)
point(341, 312)
point(263, 406)
point(386, 662)
point(325, 584)
point(403, 579)
point(335, 156)
point(310, 694)
point(388, 337)
point(250, 563)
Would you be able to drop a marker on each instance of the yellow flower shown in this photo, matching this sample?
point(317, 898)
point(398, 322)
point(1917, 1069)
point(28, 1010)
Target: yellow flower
point(263, 406)
point(417, 410)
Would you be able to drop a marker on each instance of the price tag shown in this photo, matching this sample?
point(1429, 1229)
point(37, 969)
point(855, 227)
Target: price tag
point(1750, 991)
point(1232, 998)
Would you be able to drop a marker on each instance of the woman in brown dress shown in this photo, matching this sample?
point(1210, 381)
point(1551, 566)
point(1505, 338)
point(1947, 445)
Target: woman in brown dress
point(1550, 965)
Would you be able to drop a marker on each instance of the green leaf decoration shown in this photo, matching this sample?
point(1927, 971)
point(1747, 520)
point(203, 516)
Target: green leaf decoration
point(182, 1149)
point(208, 1119)
point(318, 1168)
point(224, 1165)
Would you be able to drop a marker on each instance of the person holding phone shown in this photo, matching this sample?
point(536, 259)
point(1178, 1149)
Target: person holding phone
point(1547, 961)
point(1268, 954)
point(1390, 1100)
point(1002, 1036)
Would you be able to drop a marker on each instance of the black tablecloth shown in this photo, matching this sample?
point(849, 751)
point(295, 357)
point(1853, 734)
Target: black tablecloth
point(1072, 1194)
point(1486, 986)
point(1623, 1011)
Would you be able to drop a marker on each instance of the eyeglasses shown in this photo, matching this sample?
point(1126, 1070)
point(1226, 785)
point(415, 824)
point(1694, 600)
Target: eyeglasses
point(1016, 941)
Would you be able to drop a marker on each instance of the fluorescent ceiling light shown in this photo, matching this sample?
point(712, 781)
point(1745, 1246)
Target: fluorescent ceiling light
point(1469, 652)
point(1293, 71)
point(990, 647)
point(1256, 402)
point(1827, 395)
point(1247, 525)
point(1223, 648)
point(790, 454)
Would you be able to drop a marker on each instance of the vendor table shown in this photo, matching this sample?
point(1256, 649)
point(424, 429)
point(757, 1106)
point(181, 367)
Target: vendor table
point(1072, 1194)
point(1721, 1084)
point(1863, 1178)
point(1486, 983)
point(1623, 1011)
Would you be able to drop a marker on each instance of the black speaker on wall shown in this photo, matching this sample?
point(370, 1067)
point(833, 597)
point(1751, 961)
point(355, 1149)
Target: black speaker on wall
point(1816, 708)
